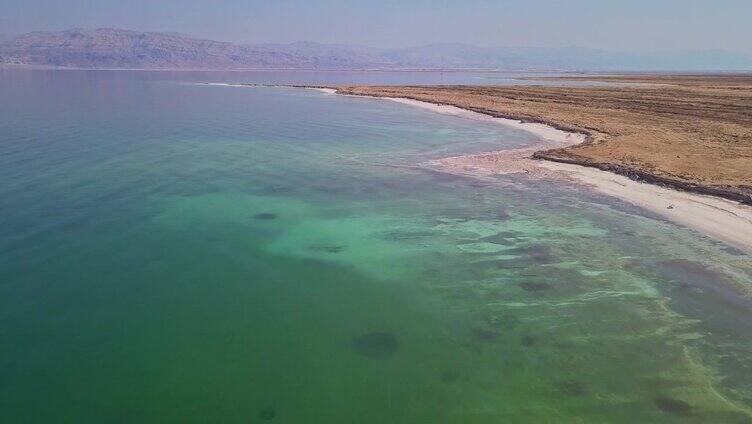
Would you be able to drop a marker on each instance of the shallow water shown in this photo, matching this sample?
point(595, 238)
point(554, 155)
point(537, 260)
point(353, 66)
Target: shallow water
point(172, 252)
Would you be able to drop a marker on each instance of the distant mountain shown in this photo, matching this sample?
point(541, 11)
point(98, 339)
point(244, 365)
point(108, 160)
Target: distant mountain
point(335, 56)
point(117, 48)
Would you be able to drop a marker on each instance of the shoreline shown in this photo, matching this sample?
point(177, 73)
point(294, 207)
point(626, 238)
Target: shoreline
point(719, 218)
point(700, 136)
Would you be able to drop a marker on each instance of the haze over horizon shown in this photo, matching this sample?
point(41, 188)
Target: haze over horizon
point(616, 26)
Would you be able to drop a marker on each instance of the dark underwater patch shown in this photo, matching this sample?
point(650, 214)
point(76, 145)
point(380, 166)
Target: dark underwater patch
point(503, 322)
point(276, 189)
point(496, 294)
point(265, 216)
point(501, 215)
point(449, 376)
point(328, 248)
point(702, 284)
point(688, 272)
point(671, 405)
point(379, 345)
point(528, 341)
point(267, 414)
point(486, 334)
point(533, 286)
point(573, 388)
point(540, 254)
point(504, 238)
point(461, 293)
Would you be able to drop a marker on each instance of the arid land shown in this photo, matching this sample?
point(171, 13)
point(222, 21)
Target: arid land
point(689, 132)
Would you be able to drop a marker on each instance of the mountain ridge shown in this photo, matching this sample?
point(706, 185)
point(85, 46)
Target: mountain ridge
point(113, 48)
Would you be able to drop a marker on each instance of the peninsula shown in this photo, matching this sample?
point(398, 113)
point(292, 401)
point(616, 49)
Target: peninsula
point(691, 132)
point(679, 146)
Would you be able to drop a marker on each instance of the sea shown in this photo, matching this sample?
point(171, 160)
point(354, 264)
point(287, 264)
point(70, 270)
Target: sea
point(177, 251)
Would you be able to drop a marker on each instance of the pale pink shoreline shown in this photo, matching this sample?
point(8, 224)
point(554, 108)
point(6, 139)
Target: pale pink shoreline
point(723, 220)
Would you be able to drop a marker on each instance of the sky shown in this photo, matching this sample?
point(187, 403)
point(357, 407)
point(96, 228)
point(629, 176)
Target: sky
point(617, 25)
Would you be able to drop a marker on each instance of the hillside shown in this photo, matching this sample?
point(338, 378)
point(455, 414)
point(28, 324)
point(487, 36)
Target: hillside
point(113, 48)
point(116, 48)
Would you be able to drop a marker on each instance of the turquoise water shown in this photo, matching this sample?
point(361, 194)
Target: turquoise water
point(173, 252)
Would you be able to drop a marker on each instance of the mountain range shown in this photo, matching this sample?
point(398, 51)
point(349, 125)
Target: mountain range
point(109, 48)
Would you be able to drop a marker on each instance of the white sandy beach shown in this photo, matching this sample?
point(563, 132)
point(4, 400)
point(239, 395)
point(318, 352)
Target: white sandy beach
point(325, 90)
point(721, 219)
point(547, 134)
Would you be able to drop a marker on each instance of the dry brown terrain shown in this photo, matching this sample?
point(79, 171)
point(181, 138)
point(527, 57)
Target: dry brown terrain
point(692, 132)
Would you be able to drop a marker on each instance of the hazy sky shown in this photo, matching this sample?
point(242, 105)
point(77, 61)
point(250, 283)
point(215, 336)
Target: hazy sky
point(609, 24)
